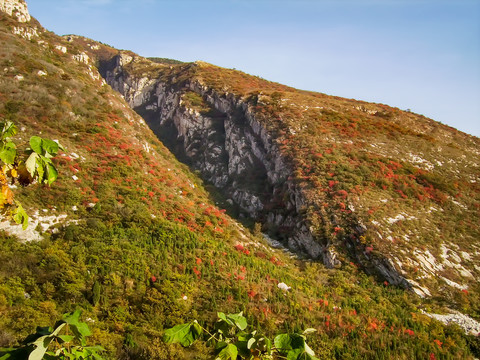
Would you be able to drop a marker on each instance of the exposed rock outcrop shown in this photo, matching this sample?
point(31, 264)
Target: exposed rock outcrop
point(16, 8)
point(228, 145)
point(469, 325)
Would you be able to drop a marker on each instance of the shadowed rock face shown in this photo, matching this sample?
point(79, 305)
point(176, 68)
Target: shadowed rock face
point(227, 144)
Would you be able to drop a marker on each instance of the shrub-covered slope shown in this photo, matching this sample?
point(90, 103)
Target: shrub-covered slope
point(131, 236)
point(337, 179)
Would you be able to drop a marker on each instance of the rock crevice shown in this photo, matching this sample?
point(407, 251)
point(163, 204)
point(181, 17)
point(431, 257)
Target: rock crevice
point(228, 145)
point(219, 135)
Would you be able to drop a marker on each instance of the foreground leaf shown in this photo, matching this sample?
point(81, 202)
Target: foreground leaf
point(239, 320)
point(185, 334)
point(20, 216)
point(229, 352)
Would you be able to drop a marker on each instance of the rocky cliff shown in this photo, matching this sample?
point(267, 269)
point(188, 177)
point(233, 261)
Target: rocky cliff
point(220, 136)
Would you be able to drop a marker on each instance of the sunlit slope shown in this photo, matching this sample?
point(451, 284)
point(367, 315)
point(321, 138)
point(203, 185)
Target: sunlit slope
point(136, 241)
point(386, 188)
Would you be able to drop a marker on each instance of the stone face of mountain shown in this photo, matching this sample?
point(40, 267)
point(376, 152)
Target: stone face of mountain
point(407, 172)
point(226, 143)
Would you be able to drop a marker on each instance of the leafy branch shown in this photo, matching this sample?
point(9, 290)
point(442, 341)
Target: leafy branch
point(50, 343)
point(232, 340)
point(35, 165)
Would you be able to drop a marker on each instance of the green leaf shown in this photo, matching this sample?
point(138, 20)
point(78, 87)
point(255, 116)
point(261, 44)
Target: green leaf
point(8, 130)
point(81, 331)
point(262, 344)
point(309, 331)
point(268, 344)
point(50, 147)
point(300, 351)
point(72, 318)
point(20, 216)
point(286, 342)
point(96, 356)
point(251, 342)
point(52, 173)
point(31, 164)
point(222, 316)
point(283, 343)
point(40, 167)
point(299, 354)
point(230, 352)
point(294, 354)
point(65, 338)
point(185, 334)
point(41, 347)
point(15, 354)
point(220, 345)
point(36, 144)
point(239, 320)
point(308, 350)
point(95, 348)
point(8, 153)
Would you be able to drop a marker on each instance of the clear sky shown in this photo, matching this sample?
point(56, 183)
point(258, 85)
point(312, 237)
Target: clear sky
point(422, 55)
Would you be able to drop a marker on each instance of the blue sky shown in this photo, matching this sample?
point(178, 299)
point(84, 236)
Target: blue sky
point(422, 55)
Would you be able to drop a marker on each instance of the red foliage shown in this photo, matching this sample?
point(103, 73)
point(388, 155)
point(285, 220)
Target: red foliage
point(372, 326)
point(239, 247)
point(196, 271)
point(323, 302)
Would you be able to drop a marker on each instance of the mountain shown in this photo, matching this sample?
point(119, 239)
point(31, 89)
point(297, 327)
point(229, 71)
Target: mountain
point(373, 201)
point(335, 179)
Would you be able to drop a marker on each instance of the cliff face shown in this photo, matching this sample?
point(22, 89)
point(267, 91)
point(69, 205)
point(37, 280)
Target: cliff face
point(221, 137)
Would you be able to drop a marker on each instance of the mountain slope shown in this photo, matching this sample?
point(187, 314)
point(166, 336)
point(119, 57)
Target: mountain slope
point(334, 178)
point(127, 219)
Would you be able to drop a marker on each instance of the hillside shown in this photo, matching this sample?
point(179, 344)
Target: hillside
point(336, 179)
point(129, 220)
